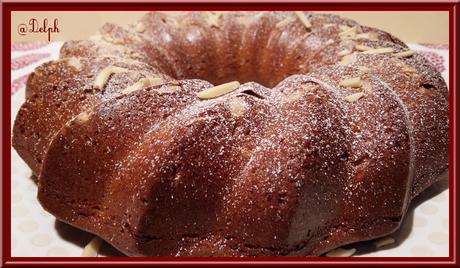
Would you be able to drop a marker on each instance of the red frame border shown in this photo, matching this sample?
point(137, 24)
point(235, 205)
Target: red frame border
point(6, 260)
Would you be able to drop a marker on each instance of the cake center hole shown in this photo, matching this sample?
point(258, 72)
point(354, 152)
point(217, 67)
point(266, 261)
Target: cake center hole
point(247, 72)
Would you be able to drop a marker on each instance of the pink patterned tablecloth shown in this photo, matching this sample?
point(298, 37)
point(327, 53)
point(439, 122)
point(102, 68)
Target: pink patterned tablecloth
point(424, 232)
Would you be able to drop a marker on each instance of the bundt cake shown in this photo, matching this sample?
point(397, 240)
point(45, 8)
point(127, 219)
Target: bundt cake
point(144, 136)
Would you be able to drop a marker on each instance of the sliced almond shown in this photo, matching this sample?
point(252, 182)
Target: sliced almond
point(363, 36)
point(75, 62)
point(140, 27)
point(351, 82)
point(347, 59)
point(104, 75)
point(305, 21)
point(329, 41)
point(285, 22)
point(344, 52)
point(384, 241)
point(362, 48)
point(144, 82)
point(134, 87)
point(363, 69)
point(168, 89)
point(83, 117)
point(328, 25)
point(354, 97)
point(217, 91)
point(293, 96)
point(246, 152)
point(349, 33)
point(92, 249)
point(155, 81)
point(381, 50)
point(112, 40)
point(237, 106)
point(137, 38)
point(409, 70)
point(369, 36)
point(404, 54)
point(341, 252)
point(344, 27)
point(213, 18)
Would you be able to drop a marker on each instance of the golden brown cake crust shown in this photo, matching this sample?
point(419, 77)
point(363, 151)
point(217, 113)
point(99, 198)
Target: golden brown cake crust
point(334, 129)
